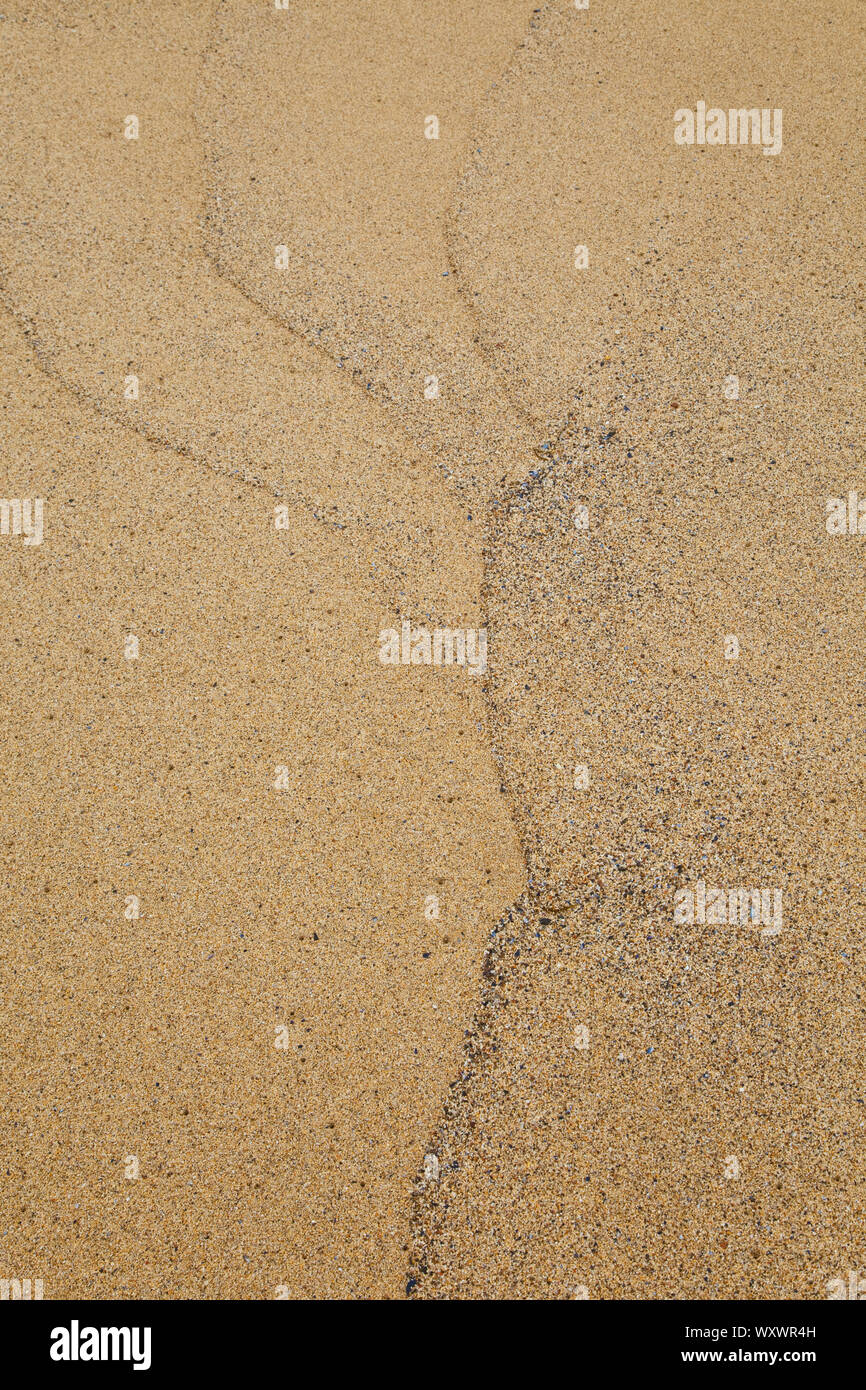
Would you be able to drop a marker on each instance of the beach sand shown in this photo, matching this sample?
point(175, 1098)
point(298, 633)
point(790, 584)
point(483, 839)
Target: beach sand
point(379, 916)
point(607, 1167)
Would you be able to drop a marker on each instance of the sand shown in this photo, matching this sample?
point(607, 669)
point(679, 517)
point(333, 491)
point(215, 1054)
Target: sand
point(620, 1104)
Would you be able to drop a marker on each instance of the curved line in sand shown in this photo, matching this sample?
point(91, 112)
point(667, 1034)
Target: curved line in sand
point(47, 364)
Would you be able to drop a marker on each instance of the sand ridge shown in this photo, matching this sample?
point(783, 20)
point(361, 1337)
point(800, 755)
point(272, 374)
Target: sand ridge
point(597, 1160)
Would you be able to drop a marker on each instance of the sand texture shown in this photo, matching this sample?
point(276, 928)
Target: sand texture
point(378, 971)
